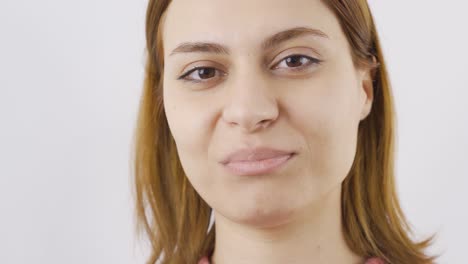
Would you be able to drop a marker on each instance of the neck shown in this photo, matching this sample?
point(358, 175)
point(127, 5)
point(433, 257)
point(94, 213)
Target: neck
point(313, 235)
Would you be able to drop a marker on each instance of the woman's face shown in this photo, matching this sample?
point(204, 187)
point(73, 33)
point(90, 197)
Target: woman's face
point(299, 91)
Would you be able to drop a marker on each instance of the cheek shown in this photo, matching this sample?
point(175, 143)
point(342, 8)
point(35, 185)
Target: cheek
point(323, 111)
point(188, 118)
point(189, 121)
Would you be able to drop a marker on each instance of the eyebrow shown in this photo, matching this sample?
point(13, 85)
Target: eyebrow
point(269, 43)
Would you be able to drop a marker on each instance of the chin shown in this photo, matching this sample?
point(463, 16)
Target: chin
point(266, 216)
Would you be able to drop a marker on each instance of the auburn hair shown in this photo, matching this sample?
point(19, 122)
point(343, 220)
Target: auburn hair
point(175, 219)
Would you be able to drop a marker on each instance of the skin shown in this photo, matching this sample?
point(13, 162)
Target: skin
point(293, 214)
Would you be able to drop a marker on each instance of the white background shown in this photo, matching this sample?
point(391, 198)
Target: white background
point(70, 79)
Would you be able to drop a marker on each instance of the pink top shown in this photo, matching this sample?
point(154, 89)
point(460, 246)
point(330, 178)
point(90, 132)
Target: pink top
point(205, 260)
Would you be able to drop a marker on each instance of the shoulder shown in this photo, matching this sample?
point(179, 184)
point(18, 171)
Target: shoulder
point(205, 260)
point(375, 261)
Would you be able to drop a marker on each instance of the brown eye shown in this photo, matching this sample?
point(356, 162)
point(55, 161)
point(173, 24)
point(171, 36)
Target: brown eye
point(200, 74)
point(297, 62)
point(206, 73)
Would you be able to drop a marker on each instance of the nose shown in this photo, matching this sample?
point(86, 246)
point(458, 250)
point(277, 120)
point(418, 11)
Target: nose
point(251, 104)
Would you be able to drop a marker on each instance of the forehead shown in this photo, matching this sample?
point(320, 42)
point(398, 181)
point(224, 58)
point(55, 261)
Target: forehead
point(242, 24)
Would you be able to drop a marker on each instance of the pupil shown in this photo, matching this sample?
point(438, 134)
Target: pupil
point(294, 61)
point(205, 73)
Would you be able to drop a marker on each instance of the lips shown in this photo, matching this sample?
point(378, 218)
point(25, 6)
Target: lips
point(256, 161)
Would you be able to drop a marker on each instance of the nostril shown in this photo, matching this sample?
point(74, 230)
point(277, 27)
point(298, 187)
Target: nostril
point(265, 122)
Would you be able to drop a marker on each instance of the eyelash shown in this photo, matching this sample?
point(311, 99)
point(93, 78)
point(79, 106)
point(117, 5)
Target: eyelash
point(312, 61)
